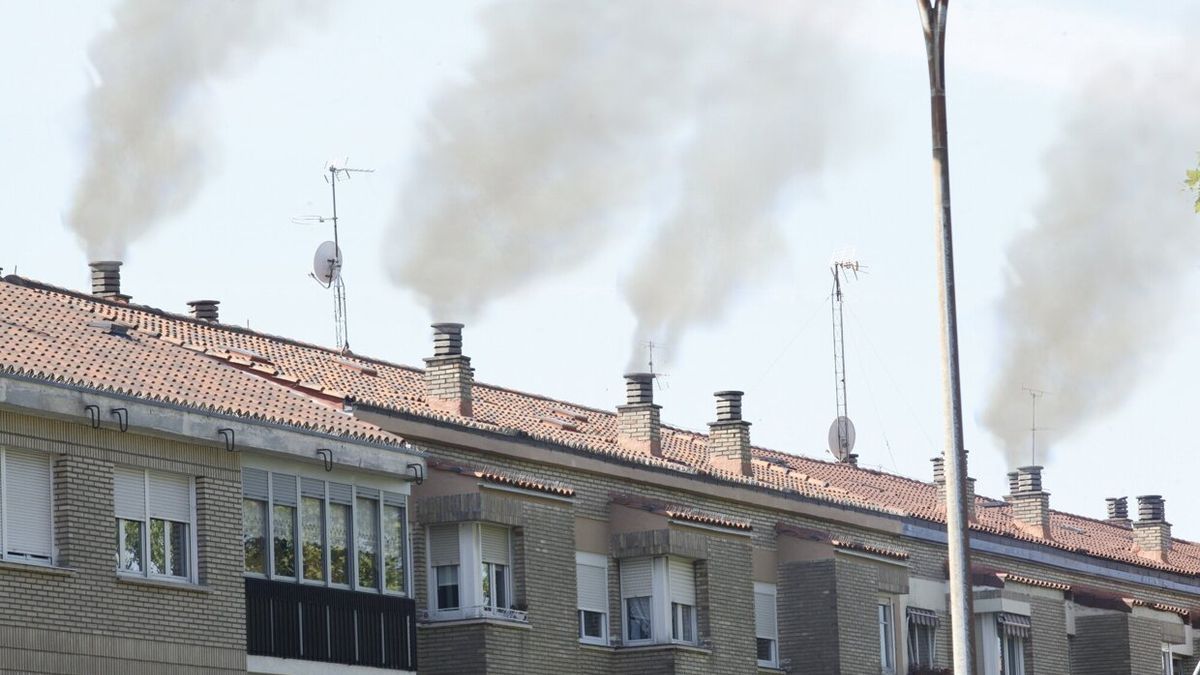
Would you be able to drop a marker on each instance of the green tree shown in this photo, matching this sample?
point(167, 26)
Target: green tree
point(1193, 183)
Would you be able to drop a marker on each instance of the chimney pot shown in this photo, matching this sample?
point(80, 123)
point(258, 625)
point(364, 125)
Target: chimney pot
point(1152, 532)
point(1030, 504)
point(205, 310)
point(639, 388)
point(939, 471)
point(448, 374)
point(729, 406)
point(106, 280)
point(729, 436)
point(1118, 509)
point(638, 423)
point(447, 339)
point(1029, 480)
point(1151, 509)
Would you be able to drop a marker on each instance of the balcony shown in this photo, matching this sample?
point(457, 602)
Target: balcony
point(296, 621)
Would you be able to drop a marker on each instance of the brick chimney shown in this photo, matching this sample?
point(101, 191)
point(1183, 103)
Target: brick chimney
point(204, 310)
point(448, 374)
point(939, 480)
point(1030, 504)
point(1118, 512)
point(638, 420)
point(106, 280)
point(1152, 532)
point(729, 436)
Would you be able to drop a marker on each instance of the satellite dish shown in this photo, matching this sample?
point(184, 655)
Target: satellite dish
point(327, 263)
point(841, 429)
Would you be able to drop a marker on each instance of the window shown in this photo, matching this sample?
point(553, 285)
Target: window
point(494, 567)
point(765, 624)
point(26, 491)
point(887, 637)
point(591, 584)
point(154, 523)
point(658, 598)
point(471, 571)
point(1012, 630)
point(922, 624)
point(1172, 664)
point(443, 558)
point(321, 532)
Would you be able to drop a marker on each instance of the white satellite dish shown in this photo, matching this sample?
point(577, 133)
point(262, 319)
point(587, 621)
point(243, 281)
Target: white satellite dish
point(840, 426)
point(327, 263)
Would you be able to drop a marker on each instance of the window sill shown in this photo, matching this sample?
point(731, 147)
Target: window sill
point(597, 646)
point(445, 623)
point(665, 646)
point(49, 570)
point(184, 586)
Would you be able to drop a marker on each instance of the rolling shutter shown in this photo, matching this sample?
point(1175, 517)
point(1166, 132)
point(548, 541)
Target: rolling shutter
point(129, 493)
point(682, 577)
point(591, 582)
point(254, 484)
point(171, 497)
point(635, 578)
point(765, 615)
point(340, 493)
point(27, 483)
point(394, 499)
point(443, 545)
point(312, 487)
point(283, 489)
point(493, 544)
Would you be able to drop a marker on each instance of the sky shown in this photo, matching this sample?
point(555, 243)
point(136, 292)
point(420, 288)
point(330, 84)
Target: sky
point(364, 80)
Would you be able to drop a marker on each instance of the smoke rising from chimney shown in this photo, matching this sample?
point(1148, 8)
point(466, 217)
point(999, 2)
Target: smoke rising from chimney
point(578, 115)
point(147, 146)
point(1091, 293)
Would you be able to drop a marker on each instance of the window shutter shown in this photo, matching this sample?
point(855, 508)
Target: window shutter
point(171, 496)
point(493, 544)
point(765, 615)
point(591, 582)
point(254, 484)
point(129, 493)
point(443, 545)
point(394, 499)
point(340, 493)
point(366, 492)
point(683, 581)
point(28, 497)
point(283, 489)
point(635, 578)
point(312, 487)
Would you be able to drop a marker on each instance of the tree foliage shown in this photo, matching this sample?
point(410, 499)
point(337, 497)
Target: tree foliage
point(1193, 183)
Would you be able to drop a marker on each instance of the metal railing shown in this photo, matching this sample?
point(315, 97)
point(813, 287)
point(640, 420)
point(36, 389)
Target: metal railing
point(296, 621)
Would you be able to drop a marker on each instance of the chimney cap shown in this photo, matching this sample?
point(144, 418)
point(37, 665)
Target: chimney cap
point(729, 406)
point(447, 327)
point(193, 303)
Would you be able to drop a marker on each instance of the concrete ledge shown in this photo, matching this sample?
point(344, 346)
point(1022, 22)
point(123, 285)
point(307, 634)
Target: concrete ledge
point(665, 647)
point(519, 625)
point(186, 587)
point(271, 665)
point(49, 570)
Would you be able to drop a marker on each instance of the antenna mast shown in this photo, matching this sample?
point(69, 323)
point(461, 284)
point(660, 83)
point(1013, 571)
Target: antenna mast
point(841, 437)
point(1034, 395)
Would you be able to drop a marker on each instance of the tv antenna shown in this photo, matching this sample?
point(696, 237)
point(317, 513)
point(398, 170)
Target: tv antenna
point(327, 261)
point(658, 377)
point(841, 432)
point(1034, 395)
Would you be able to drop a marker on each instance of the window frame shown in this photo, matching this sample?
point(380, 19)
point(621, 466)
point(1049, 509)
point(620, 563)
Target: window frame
point(918, 635)
point(473, 601)
point(598, 561)
point(380, 496)
point(25, 558)
point(885, 613)
point(667, 616)
point(761, 588)
point(192, 575)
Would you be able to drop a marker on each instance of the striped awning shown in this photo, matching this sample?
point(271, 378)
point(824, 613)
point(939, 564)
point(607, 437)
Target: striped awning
point(922, 617)
point(1013, 624)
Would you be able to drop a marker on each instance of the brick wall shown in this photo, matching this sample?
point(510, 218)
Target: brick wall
point(808, 617)
point(1102, 646)
point(1047, 653)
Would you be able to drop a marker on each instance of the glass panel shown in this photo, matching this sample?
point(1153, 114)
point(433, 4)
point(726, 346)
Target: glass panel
point(254, 535)
point(339, 543)
point(637, 618)
point(501, 578)
point(686, 619)
point(393, 548)
point(886, 652)
point(129, 545)
point(312, 528)
point(766, 650)
point(158, 546)
point(591, 624)
point(486, 577)
point(447, 586)
point(366, 528)
point(177, 549)
point(283, 524)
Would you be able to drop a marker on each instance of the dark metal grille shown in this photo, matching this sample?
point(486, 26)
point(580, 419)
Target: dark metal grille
point(297, 621)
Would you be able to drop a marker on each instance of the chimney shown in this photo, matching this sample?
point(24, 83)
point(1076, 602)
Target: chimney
point(1012, 483)
point(1030, 504)
point(638, 420)
point(448, 374)
point(204, 310)
point(1152, 532)
point(729, 436)
point(1118, 512)
point(106, 280)
point(939, 480)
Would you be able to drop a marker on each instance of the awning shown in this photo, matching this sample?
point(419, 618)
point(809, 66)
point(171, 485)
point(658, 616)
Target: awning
point(922, 617)
point(1013, 624)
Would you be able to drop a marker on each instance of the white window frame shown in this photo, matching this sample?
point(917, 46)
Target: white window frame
point(600, 562)
point(473, 602)
point(192, 553)
point(378, 495)
point(771, 590)
point(885, 614)
point(664, 612)
point(1016, 667)
point(25, 558)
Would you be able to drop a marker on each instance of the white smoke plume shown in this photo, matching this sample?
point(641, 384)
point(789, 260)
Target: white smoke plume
point(578, 113)
point(1092, 289)
point(147, 145)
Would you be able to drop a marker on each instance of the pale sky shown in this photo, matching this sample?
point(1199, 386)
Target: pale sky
point(359, 83)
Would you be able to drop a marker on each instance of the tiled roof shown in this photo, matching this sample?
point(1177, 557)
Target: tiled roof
point(846, 544)
point(517, 480)
point(303, 384)
point(685, 513)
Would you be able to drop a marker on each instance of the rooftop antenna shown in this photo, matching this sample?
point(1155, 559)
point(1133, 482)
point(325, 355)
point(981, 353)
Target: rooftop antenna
point(327, 262)
point(658, 377)
point(1034, 395)
point(841, 432)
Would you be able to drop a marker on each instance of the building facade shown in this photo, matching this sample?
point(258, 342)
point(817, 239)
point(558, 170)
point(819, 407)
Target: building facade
point(396, 518)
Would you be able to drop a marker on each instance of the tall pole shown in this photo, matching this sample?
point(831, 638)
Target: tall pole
point(933, 20)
